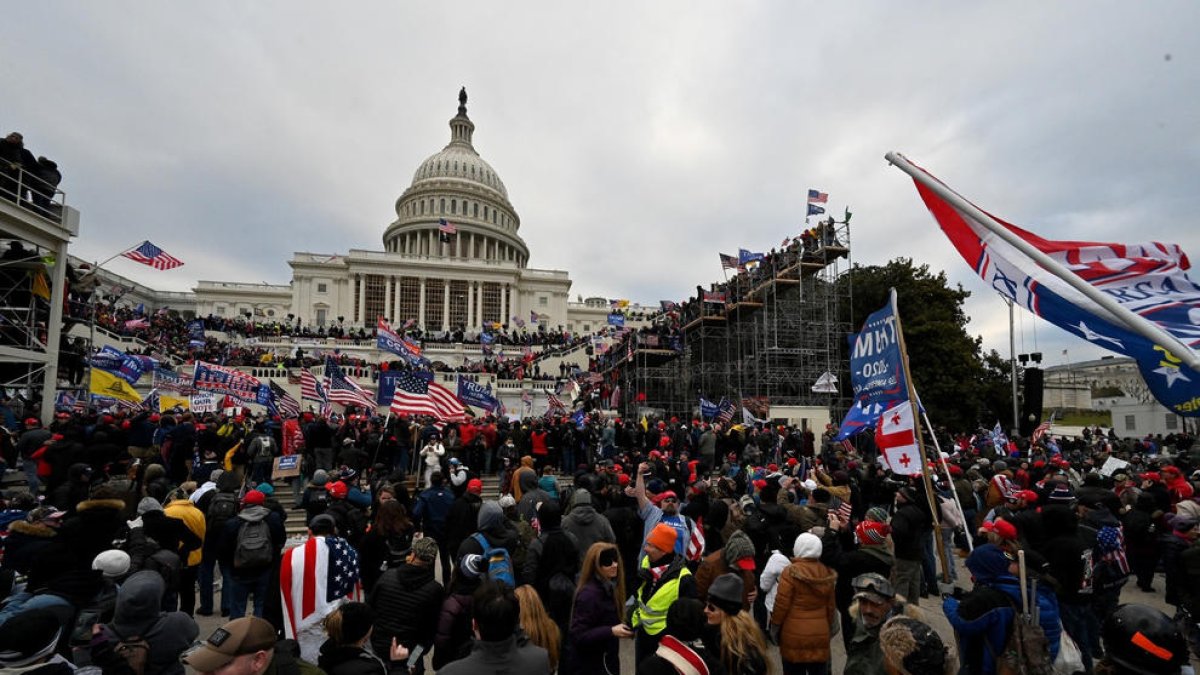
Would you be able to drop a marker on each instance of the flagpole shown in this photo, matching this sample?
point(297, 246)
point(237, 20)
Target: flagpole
point(912, 397)
point(950, 479)
point(1129, 319)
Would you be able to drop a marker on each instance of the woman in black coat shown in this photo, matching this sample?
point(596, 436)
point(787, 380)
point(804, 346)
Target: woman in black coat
point(597, 621)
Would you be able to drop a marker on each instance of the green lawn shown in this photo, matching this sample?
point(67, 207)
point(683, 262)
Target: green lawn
point(1086, 418)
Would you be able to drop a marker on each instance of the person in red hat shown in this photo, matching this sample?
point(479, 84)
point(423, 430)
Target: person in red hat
point(250, 547)
point(31, 440)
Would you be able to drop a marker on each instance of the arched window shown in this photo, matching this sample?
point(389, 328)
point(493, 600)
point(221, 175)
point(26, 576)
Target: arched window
point(476, 210)
point(453, 206)
point(443, 205)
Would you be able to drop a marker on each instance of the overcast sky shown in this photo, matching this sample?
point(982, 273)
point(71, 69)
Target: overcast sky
point(637, 140)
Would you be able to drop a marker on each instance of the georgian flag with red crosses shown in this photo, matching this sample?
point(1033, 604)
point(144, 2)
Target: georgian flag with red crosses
point(896, 438)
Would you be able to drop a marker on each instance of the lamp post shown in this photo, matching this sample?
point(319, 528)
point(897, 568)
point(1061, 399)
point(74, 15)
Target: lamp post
point(1012, 360)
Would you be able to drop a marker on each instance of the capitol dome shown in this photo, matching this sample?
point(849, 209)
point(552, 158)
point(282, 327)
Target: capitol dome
point(457, 186)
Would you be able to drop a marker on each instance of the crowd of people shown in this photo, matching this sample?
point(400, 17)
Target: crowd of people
point(713, 550)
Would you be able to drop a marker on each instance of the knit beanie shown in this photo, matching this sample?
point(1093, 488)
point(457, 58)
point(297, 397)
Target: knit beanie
point(739, 552)
point(872, 533)
point(877, 514)
point(147, 505)
point(475, 486)
point(113, 563)
point(320, 477)
point(662, 537)
point(987, 563)
point(254, 498)
point(807, 546)
point(726, 593)
point(267, 489)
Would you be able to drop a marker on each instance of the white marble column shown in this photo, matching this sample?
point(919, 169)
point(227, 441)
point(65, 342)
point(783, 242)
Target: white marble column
point(446, 306)
point(470, 305)
point(504, 318)
point(361, 300)
point(388, 306)
point(420, 305)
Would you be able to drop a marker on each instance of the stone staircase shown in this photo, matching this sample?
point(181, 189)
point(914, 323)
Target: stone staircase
point(295, 523)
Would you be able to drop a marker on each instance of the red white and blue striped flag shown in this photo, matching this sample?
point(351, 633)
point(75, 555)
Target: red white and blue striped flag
point(314, 578)
point(817, 197)
point(310, 387)
point(149, 254)
point(344, 390)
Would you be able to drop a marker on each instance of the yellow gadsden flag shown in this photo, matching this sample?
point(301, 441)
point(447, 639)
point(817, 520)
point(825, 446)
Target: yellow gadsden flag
point(105, 383)
point(166, 402)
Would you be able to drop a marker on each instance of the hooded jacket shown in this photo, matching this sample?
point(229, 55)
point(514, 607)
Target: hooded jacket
point(586, 524)
point(503, 656)
point(804, 611)
point(982, 619)
point(137, 615)
point(531, 495)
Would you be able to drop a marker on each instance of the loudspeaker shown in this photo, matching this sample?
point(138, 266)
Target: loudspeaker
point(1031, 403)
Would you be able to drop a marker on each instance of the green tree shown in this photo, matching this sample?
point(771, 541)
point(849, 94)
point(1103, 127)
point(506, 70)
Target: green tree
point(957, 384)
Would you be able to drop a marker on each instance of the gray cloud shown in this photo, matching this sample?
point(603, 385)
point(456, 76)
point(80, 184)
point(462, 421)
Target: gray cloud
point(636, 141)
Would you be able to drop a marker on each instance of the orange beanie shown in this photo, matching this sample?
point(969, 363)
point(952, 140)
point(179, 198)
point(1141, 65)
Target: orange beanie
point(662, 537)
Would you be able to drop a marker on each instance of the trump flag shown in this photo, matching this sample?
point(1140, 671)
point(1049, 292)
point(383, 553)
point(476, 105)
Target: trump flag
point(1141, 302)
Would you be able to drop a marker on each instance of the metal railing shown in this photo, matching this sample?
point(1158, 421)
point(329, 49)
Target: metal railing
point(31, 193)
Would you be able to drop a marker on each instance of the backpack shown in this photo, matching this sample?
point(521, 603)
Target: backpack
point(1027, 649)
point(499, 562)
point(135, 650)
point(224, 505)
point(265, 452)
point(253, 545)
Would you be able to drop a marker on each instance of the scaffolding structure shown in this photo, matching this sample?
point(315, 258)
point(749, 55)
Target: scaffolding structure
point(771, 341)
point(38, 227)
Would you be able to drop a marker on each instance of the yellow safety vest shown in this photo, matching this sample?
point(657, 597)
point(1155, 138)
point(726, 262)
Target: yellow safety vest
point(651, 616)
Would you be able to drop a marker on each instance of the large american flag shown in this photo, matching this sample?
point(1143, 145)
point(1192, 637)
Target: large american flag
point(149, 254)
point(284, 403)
point(310, 387)
point(555, 403)
point(415, 395)
point(729, 262)
point(346, 391)
point(314, 578)
point(695, 545)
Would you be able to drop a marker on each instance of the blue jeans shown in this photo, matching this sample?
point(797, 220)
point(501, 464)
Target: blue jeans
point(241, 593)
point(205, 577)
point(1082, 624)
point(31, 477)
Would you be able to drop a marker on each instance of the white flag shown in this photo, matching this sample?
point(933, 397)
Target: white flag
point(896, 438)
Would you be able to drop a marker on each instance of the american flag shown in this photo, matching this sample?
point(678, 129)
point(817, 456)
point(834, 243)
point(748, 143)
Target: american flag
point(729, 262)
point(134, 324)
point(417, 396)
point(533, 317)
point(817, 197)
point(344, 390)
point(1043, 428)
point(714, 297)
point(315, 577)
point(310, 388)
point(614, 400)
point(149, 254)
point(446, 227)
point(695, 545)
point(555, 403)
point(725, 410)
point(284, 403)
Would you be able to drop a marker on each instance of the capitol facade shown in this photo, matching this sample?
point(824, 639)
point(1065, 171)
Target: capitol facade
point(471, 279)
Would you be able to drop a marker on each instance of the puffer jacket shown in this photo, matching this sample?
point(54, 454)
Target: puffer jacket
point(804, 611)
point(982, 619)
point(405, 600)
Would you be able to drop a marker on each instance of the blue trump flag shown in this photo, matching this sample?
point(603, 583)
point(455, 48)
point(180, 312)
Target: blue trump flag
point(746, 257)
point(708, 409)
point(876, 370)
point(473, 393)
point(616, 319)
